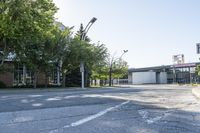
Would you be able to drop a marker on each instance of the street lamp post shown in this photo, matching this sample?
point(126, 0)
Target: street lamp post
point(83, 35)
point(111, 66)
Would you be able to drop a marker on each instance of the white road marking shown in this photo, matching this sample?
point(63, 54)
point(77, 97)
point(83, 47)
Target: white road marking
point(22, 119)
point(37, 104)
point(54, 99)
point(35, 96)
point(89, 118)
point(107, 96)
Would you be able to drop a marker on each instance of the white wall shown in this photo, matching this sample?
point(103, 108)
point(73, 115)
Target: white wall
point(163, 78)
point(144, 77)
point(130, 78)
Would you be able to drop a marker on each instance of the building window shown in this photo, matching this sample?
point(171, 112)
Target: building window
point(53, 77)
point(29, 77)
point(192, 69)
point(56, 76)
point(18, 75)
point(22, 75)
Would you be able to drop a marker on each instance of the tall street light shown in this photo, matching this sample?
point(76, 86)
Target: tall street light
point(111, 66)
point(83, 36)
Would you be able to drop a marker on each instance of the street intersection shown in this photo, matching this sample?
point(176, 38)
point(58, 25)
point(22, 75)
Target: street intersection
point(130, 109)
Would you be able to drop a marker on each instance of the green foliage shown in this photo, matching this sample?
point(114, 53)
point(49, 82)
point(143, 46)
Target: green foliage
point(24, 22)
point(120, 69)
point(73, 78)
point(29, 32)
point(198, 70)
point(25, 30)
point(110, 68)
point(82, 51)
point(81, 34)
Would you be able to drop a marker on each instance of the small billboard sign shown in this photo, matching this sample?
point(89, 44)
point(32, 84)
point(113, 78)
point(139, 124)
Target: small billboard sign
point(198, 48)
point(82, 67)
point(178, 59)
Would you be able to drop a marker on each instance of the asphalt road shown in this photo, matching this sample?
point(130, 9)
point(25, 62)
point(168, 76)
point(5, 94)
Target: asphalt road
point(136, 109)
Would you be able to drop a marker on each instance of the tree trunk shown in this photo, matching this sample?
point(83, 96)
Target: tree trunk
point(110, 76)
point(46, 80)
point(101, 82)
point(95, 82)
point(104, 82)
point(91, 82)
point(35, 80)
point(63, 80)
point(86, 78)
point(4, 51)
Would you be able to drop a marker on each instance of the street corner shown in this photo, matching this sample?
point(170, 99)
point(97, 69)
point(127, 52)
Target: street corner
point(196, 92)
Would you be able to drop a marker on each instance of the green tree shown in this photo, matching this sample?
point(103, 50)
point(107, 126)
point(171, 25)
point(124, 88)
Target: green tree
point(24, 29)
point(81, 33)
point(116, 68)
point(99, 69)
point(95, 57)
point(24, 21)
point(63, 40)
point(198, 70)
point(120, 69)
point(29, 33)
point(83, 51)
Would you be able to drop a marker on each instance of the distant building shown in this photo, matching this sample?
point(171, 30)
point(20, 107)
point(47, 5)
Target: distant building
point(179, 73)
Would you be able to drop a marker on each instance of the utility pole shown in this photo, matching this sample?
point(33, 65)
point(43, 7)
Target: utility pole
point(85, 31)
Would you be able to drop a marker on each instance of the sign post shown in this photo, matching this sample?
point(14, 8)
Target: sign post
point(82, 75)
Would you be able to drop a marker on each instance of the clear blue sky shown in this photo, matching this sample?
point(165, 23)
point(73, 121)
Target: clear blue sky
point(152, 30)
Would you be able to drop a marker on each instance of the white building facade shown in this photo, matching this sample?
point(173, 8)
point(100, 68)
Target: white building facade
point(180, 73)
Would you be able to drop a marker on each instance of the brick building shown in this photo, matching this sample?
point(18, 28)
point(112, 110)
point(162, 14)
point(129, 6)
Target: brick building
point(18, 75)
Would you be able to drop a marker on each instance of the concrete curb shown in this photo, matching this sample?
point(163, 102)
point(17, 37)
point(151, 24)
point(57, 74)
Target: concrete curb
point(196, 92)
point(39, 90)
point(43, 90)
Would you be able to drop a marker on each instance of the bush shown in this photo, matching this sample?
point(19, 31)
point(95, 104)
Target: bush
point(2, 84)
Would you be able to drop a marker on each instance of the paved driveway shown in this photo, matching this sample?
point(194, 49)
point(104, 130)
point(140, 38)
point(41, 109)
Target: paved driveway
point(136, 109)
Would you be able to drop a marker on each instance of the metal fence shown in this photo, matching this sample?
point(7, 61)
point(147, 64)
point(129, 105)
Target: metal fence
point(120, 81)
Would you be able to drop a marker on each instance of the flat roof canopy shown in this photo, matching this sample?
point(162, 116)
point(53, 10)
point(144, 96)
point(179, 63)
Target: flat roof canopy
point(163, 67)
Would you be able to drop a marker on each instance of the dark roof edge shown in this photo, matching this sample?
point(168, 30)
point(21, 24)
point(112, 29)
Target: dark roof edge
point(161, 67)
